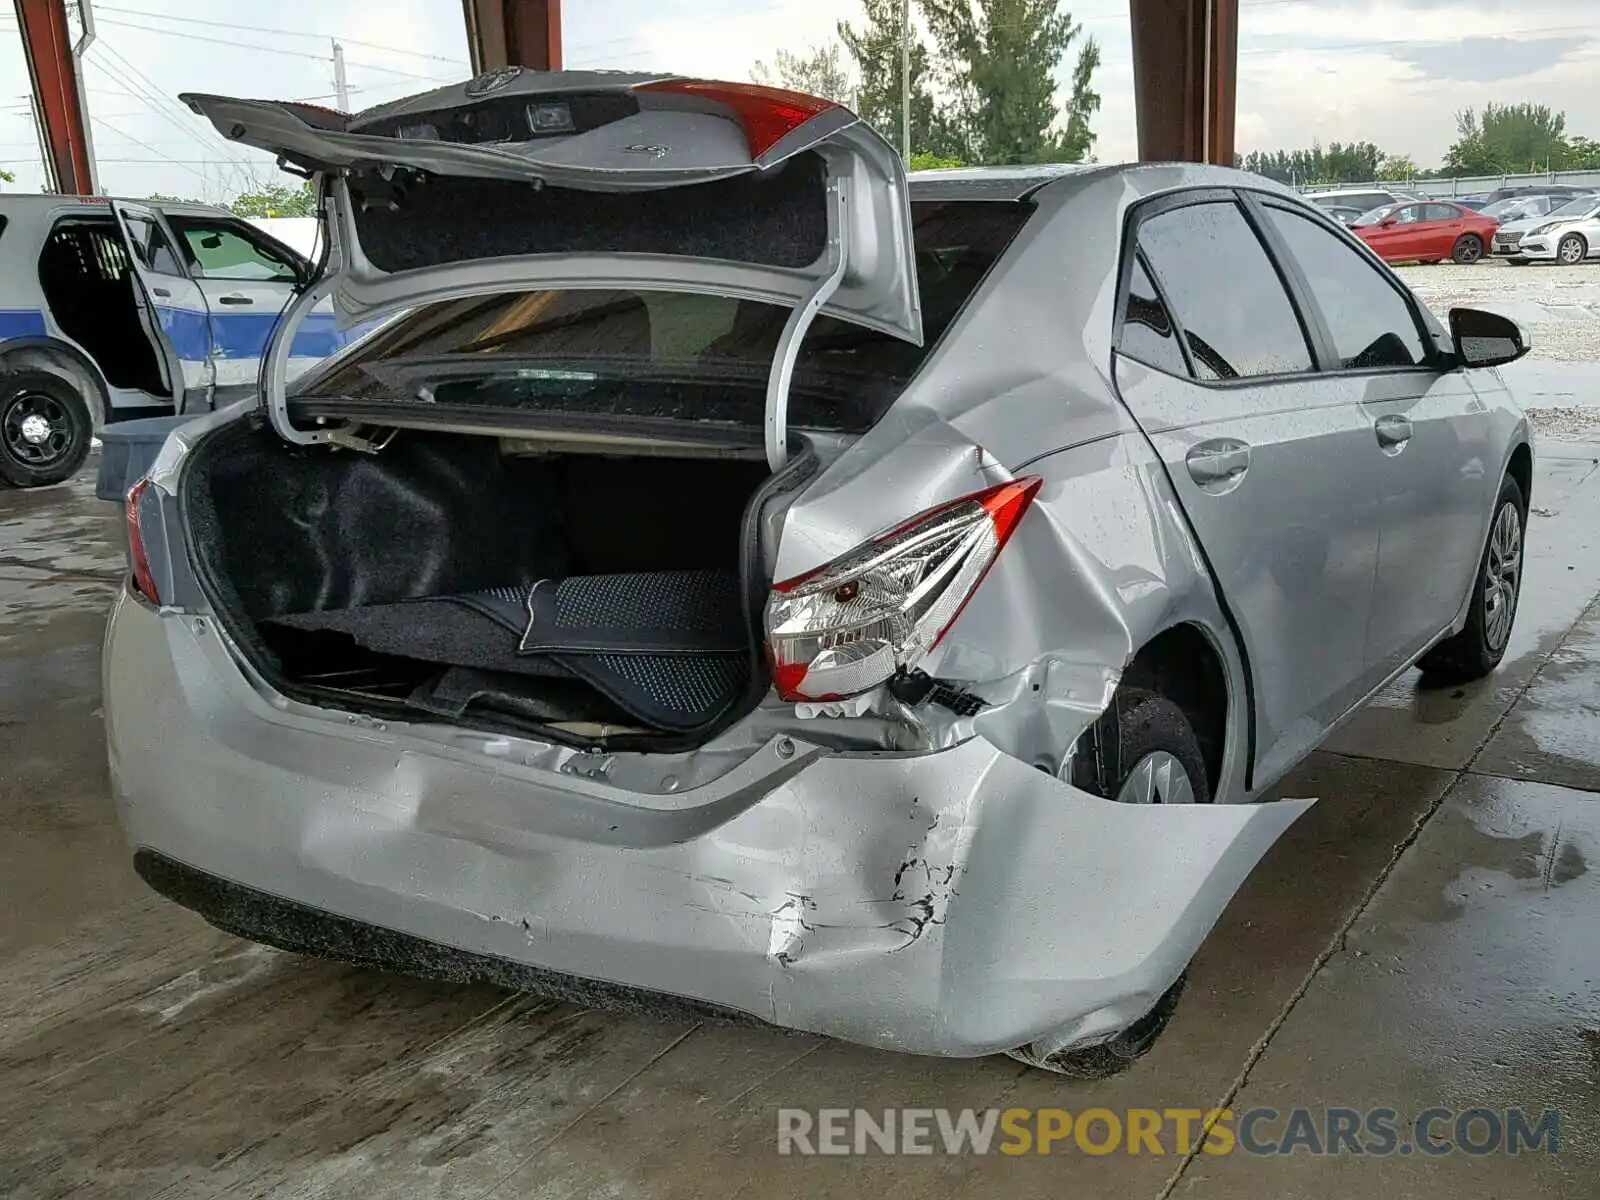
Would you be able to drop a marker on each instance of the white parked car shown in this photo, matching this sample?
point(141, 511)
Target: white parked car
point(1568, 234)
point(111, 309)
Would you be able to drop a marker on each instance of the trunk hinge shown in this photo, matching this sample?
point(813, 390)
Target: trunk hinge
point(794, 330)
point(275, 363)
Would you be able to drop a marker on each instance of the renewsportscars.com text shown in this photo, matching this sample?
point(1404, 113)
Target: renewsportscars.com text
point(1379, 1132)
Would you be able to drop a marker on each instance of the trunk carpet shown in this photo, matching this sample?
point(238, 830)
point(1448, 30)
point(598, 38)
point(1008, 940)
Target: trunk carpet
point(669, 648)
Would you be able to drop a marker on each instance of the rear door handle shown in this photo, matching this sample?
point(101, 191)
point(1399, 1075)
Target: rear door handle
point(1219, 464)
point(234, 299)
point(1393, 431)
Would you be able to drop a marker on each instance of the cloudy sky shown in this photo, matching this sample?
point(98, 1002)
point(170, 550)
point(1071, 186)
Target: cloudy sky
point(1330, 70)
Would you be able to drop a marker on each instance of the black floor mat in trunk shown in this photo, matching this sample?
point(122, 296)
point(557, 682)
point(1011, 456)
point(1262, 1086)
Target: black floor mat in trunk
point(668, 648)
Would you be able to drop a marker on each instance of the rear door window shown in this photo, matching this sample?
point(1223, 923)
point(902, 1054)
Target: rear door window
point(152, 247)
point(673, 354)
point(1225, 292)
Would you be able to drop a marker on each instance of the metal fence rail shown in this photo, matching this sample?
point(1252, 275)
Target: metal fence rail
point(1471, 185)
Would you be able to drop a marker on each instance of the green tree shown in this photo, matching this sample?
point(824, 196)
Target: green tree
point(276, 200)
point(1507, 139)
point(6, 176)
point(1583, 154)
point(874, 46)
point(163, 198)
point(1341, 162)
point(820, 71)
point(924, 160)
point(998, 62)
point(1078, 140)
point(1397, 166)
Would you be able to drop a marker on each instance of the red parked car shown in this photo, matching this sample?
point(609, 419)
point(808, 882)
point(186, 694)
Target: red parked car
point(1426, 231)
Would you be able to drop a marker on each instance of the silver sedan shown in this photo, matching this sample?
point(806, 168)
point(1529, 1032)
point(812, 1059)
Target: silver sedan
point(735, 575)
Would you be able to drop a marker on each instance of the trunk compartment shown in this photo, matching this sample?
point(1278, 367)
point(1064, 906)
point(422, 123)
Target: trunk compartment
point(399, 582)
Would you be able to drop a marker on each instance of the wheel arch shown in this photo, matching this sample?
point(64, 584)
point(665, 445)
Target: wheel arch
point(1186, 664)
point(1520, 468)
point(64, 359)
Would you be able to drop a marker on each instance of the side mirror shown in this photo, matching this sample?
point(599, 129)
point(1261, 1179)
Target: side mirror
point(1486, 339)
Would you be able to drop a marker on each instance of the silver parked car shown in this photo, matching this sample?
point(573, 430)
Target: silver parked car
point(747, 579)
point(1567, 234)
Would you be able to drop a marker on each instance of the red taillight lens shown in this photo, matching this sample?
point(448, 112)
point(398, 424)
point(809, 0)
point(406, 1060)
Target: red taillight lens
point(767, 114)
point(851, 624)
point(138, 558)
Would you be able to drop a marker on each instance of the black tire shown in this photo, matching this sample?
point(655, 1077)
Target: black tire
point(45, 429)
point(1138, 724)
point(1468, 249)
point(1481, 644)
point(1572, 250)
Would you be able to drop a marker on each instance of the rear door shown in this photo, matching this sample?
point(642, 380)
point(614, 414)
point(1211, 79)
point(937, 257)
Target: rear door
point(247, 280)
point(1428, 457)
point(173, 307)
point(1264, 454)
point(1444, 224)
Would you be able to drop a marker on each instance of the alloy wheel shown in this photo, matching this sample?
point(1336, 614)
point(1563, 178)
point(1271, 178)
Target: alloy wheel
point(1502, 572)
point(1571, 251)
point(1157, 778)
point(36, 429)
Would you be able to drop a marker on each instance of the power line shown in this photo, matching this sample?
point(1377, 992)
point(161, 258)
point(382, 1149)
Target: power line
point(204, 178)
point(153, 98)
point(300, 33)
point(196, 37)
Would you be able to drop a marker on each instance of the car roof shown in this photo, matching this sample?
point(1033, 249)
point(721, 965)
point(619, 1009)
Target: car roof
point(1022, 182)
point(14, 201)
point(1330, 193)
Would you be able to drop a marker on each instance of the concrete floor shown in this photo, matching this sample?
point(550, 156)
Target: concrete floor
point(1426, 936)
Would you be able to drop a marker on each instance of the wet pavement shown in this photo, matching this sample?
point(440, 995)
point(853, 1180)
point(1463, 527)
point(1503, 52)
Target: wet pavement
point(1426, 937)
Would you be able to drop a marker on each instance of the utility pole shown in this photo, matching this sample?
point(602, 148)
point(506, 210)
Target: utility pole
point(341, 88)
point(905, 80)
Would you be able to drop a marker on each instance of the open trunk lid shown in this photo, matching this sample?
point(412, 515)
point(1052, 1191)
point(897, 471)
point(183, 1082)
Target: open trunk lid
point(522, 178)
point(525, 180)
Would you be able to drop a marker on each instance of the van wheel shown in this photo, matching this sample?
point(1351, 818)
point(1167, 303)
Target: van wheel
point(1481, 644)
point(45, 429)
point(1468, 249)
point(1142, 751)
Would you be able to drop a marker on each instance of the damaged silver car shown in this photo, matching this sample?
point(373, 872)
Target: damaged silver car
point(736, 576)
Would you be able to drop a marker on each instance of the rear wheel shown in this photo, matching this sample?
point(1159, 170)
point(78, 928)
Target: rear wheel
point(1481, 644)
point(1572, 249)
point(1468, 249)
point(1143, 751)
point(45, 429)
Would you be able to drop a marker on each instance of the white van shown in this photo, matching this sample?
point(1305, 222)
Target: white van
point(112, 309)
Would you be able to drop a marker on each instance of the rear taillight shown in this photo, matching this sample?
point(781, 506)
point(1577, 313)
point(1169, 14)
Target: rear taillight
point(139, 497)
point(855, 622)
point(767, 114)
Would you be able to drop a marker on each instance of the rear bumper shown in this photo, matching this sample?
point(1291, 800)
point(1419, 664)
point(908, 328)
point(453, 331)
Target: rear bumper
point(955, 903)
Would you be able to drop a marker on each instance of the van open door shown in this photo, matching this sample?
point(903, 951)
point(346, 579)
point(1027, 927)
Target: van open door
point(172, 307)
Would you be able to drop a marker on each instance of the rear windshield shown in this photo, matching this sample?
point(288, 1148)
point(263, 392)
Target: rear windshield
point(671, 354)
